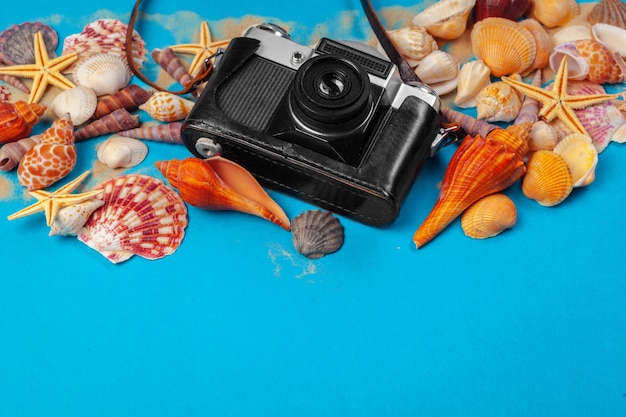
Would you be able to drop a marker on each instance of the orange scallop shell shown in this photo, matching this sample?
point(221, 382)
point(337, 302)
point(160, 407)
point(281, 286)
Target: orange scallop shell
point(489, 216)
point(548, 179)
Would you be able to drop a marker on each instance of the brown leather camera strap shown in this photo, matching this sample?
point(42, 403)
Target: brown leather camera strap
point(202, 75)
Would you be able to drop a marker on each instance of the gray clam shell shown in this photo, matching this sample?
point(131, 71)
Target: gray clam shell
point(316, 233)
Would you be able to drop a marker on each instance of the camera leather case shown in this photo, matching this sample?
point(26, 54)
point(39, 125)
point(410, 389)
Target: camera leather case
point(333, 125)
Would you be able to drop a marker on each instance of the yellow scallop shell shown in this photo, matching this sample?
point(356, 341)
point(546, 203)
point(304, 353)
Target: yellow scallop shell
point(581, 156)
point(489, 216)
point(505, 46)
point(547, 180)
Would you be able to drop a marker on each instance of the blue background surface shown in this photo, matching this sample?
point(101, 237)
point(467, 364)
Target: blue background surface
point(237, 323)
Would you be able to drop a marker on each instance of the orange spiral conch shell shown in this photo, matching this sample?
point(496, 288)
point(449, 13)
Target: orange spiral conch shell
point(489, 216)
point(548, 179)
point(514, 137)
point(217, 183)
point(479, 167)
point(17, 119)
point(51, 159)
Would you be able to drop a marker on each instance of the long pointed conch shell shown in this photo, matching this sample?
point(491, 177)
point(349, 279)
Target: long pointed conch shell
point(117, 121)
point(163, 132)
point(479, 167)
point(11, 153)
point(217, 183)
point(129, 98)
point(172, 64)
point(13, 81)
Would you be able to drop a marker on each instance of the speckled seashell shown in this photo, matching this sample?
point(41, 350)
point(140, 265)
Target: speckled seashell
point(122, 152)
point(71, 219)
point(104, 73)
point(140, 216)
point(577, 65)
point(446, 19)
point(167, 107)
point(572, 33)
point(316, 233)
point(613, 37)
point(498, 102)
point(80, 102)
point(547, 180)
point(605, 66)
point(612, 12)
point(489, 216)
point(439, 70)
point(473, 77)
point(553, 13)
point(505, 46)
point(413, 43)
point(543, 44)
point(542, 136)
point(581, 157)
point(17, 41)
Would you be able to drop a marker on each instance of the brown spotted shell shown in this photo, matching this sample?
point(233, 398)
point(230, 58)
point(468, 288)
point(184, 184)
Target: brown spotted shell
point(316, 233)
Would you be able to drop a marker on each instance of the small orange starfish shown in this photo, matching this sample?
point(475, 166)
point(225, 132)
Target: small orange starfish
point(556, 102)
point(52, 202)
point(44, 71)
point(202, 51)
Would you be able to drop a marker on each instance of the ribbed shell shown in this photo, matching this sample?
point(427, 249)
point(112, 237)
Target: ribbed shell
point(16, 42)
point(489, 216)
point(498, 102)
point(80, 102)
point(17, 119)
point(104, 73)
point(609, 11)
point(413, 43)
point(547, 180)
point(316, 233)
point(140, 216)
point(445, 19)
point(611, 36)
point(122, 152)
point(581, 156)
point(553, 13)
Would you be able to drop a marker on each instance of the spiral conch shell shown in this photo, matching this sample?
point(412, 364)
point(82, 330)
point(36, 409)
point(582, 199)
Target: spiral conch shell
point(167, 107)
point(51, 159)
point(498, 102)
point(17, 119)
point(217, 183)
point(489, 216)
point(548, 179)
point(479, 167)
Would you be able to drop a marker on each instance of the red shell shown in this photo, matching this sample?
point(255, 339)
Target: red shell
point(509, 9)
point(17, 119)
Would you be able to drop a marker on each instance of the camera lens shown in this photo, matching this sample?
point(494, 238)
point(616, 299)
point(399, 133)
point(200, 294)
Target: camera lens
point(331, 90)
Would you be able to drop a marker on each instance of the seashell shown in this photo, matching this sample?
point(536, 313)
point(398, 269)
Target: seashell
point(413, 43)
point(514, 137)
point(51, 159)
point(470, 125)
point(219, 184)
point(316, 233)
point(80, 102)
point(140, 216)
point(572, 33)
point(11, 153)
point(129, 98)
point(472, 77)
point(505, 46)
point(604, 66)
point(529, 112)
point(553, 13)
point(16, 42)
point(612, 12)
point(489, 216)
point(167, 107)
point(509, 9)
point(104, 36)
point(121, 152)
point(542, 136)
point(104, 73)
point(167, 132)
point(118, 120)
point(613, 37)
point(498, 102)
point(172, 64)
point(478, 167)
point(17, 119)
point(581, 157)
point(5, 93)
point(445, 19)
point(71, 219)
point(436, 68)
point(547, 180)
point(543, 44)
point(14, 82)
point(577, 65)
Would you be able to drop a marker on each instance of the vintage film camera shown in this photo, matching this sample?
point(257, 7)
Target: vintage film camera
point(334, 125)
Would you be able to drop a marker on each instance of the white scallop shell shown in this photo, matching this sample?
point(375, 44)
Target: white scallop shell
point(80, 102)
point(436, 67)
point(473, 77)
point(122, 152)
point(104, 73)
point(613, 37)
point(70, 219)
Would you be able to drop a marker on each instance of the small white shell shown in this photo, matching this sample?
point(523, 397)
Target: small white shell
point(80, 102)
point(445, 19)
point(436, 67)
point(104, 73)
point(122, 152)
point(413, 43)
point(71, 219)
point(473, 77)
point(613, 37)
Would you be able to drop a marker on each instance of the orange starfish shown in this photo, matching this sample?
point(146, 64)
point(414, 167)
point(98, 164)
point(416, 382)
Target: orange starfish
point(44, 71)
point(556, 102)
point(202, 51)
point(52, 202)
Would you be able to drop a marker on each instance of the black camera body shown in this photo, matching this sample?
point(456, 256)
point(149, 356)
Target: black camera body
point(333, 125)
